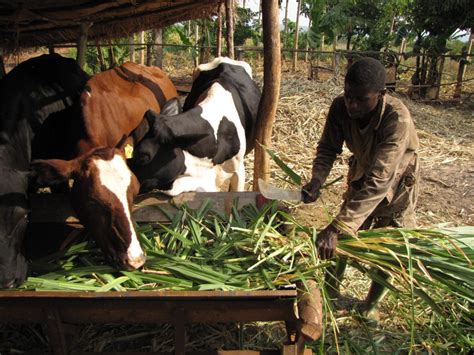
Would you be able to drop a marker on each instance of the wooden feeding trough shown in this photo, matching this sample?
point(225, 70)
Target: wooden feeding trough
point(59, 311)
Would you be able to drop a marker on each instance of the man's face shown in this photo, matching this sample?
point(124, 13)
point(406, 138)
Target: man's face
point(360, 100)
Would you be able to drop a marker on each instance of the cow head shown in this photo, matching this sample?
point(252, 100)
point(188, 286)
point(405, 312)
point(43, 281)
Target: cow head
point(153, 132)
point(14, 212)
point(102, 196)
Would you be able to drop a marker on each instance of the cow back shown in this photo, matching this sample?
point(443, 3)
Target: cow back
point(245, 94)
point(115, 101)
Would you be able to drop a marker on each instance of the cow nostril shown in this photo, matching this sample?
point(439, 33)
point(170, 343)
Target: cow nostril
point(137, 262)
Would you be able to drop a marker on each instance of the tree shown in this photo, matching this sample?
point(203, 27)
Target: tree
point(434, 22)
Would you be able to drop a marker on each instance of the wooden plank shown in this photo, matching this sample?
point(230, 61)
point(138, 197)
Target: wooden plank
point(151, 295)
point(144, 311)
point(153, 207)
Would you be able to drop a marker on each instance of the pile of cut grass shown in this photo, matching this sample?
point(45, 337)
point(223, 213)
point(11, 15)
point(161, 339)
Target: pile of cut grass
point(198, 250)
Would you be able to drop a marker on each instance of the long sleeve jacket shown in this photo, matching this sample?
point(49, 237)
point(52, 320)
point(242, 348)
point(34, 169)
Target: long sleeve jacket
point(382, 151)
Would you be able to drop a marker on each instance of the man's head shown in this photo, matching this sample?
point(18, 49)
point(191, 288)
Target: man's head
point(364, 85)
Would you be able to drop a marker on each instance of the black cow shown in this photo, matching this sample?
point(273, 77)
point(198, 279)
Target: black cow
point(29, 94)
point(204, 146)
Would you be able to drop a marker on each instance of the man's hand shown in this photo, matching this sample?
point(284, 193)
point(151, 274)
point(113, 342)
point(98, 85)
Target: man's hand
point(326, 242)
point(310, 192)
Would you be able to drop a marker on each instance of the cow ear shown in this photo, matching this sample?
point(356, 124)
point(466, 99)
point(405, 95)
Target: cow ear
point(171, 108)
point(139, 133)
point(52, 171)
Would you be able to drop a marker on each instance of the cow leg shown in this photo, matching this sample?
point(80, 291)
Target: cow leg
point(237, 181)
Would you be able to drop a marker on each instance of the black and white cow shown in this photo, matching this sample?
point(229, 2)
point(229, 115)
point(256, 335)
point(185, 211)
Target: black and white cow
point(28, 95)
point(204, 146)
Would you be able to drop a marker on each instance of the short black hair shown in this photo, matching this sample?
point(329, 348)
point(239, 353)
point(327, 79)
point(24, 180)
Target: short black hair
point(367, 72)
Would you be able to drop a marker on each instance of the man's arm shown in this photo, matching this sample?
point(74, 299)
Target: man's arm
point(329, 146)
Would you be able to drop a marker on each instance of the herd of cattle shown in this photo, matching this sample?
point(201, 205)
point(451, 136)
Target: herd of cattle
point(115, 134)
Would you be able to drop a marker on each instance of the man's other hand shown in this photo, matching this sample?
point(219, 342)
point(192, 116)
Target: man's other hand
point(310, 192)
point(326, 242)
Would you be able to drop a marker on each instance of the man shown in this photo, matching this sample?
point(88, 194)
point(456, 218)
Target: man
point(383, 170)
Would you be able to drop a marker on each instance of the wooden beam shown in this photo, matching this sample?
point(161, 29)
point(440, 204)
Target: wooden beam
point(82, 43)
point(271, 88)
point(219, 31)
point(295, 53)
point(158, 47)
point(152, 207)
point(229, 17)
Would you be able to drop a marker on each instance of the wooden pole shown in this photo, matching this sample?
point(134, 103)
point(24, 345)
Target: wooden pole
point(196, 45)
point(286, 25)
point(219, 31)
point(229, 17)
point(271, 89)
point(159, 47)
point(142, 52)
point(439, 78)
point(82, 43)
point(132, 48)
point(102, 65)
point(306, 55)
point(295, 53)
point(461, 67)
point(112, 62)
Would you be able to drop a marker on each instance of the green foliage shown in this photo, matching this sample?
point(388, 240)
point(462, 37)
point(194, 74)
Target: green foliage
point(246, 27)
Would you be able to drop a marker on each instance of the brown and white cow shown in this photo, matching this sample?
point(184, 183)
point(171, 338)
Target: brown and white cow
point(111, 106)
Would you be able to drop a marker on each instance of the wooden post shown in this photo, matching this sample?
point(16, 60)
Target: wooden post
point(196, 45)
point(142, 52)
point(102, 65)
point(159, 48)
point(461, 67)
point(51, 49)
point(219, 31)
point(439, 78)
point(310, 311)
point(229, 17)
point(82, 43)
point(306, 55)
point(112, 61)
point(148, 54)
point(271, 89)
point(285, 40)
point(295, 53)
point(132, 48)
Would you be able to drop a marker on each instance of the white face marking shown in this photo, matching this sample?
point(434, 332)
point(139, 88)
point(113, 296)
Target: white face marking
point(116, 177)
point(219, 60)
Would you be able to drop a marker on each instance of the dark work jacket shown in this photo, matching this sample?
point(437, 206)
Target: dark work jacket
point(382, 153)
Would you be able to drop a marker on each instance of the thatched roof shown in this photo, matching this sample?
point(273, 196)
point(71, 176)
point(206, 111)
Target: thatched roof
point(31, 23)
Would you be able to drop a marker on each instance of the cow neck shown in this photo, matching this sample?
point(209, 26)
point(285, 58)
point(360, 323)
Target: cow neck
point(130, 76)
